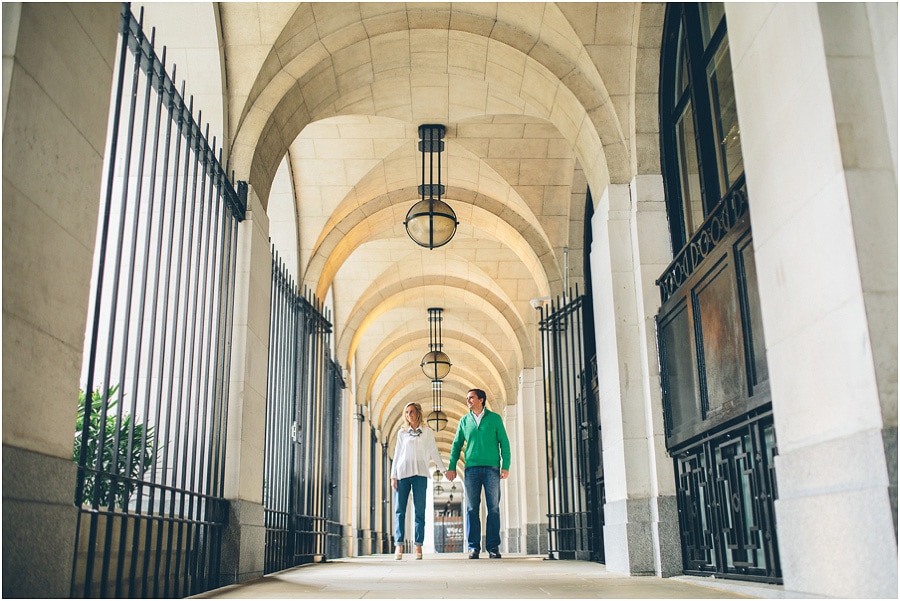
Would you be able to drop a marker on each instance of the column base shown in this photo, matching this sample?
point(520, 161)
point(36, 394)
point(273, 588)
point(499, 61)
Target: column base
point(835, 511)
point(243, 543)
point(641, 537)
point(536, 539)
point(39, 521)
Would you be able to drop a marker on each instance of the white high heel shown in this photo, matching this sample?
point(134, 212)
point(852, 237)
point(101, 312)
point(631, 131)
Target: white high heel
point(398, 554)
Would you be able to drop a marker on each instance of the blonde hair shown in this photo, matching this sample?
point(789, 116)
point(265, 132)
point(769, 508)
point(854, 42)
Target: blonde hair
point(418, 411)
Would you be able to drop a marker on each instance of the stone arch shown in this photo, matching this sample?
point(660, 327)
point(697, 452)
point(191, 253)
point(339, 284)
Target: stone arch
point(487, 299)
point(416, 342)
point(648, 29)
point(575, 101)
point(339, 245)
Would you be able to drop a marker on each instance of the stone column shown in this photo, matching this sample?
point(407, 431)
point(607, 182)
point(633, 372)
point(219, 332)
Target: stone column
point(355, 479)
point(651, 255)
point(639, 510)
point(54, 141)
point(821, 175)
point(243, 546)
point(531, 456)
point(509, 500)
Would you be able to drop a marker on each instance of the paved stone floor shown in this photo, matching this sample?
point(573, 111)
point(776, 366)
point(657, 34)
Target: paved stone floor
point(456, 577)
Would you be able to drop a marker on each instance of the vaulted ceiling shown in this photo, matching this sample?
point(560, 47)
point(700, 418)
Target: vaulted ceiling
point(321, 110)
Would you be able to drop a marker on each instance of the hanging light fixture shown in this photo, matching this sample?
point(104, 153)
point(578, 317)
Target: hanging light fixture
point(435, 363)
point(436, 366)
point(431, 222)
point(437, 419)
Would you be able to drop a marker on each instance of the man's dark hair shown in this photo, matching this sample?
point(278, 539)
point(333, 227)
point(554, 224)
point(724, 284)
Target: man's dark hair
point(480, 394)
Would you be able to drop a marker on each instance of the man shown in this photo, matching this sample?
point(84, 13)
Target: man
point(487, 462)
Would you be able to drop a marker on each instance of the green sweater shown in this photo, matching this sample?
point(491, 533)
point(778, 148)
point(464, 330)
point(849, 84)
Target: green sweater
point(486, 444)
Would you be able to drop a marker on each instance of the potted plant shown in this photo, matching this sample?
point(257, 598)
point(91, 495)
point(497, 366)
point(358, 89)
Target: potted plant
point(135, 440)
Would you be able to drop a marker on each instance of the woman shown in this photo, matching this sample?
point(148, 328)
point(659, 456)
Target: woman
point(415, 446)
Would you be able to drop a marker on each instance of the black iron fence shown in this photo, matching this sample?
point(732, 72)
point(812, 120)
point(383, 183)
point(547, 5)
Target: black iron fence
point(574, 465)
point(360, 538)
point(374, 498)
point(150, 434)
point(301, 485)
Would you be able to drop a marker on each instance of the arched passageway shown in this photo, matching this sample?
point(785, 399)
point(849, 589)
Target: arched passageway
point(321, 299)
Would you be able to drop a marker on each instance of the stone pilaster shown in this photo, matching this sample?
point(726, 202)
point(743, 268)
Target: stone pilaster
point(243, 549)
point(53, 147)
point(530, 455)
point(510, 504)
point(628, 252)
point(824, 213)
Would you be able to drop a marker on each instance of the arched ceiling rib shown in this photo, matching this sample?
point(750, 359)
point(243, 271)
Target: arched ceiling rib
point(467, 176)
point(527, 240)
point(384, 359)
point(317, 75)
point(475, 298)
point(470, 365)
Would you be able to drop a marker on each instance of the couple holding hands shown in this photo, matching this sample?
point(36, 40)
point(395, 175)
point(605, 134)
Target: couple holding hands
point(487, 462)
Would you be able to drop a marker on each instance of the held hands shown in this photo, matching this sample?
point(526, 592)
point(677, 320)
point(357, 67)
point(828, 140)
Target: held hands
point(395, 483)
point(451, 475)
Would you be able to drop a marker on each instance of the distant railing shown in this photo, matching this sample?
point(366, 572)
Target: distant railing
point(574, 463)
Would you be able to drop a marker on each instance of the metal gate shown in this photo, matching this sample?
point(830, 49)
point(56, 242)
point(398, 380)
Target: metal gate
point(574, 462)
point(726, 490)
point(301, 485)
point(150, 433)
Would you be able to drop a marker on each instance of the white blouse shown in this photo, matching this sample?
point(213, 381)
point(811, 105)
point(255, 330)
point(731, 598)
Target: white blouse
point(411, 454)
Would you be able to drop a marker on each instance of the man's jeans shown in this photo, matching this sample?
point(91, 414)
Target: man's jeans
point(476, 478)
point(419, 486)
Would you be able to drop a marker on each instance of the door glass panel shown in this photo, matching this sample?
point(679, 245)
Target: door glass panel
point(711, 14)
point(727, 130)
point(691, 196)
point(681, 68)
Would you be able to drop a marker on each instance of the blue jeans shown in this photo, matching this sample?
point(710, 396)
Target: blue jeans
point(488, 478)
point(419, 486)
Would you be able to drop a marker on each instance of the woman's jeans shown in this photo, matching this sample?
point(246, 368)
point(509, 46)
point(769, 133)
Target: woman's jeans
point(419, 486)
point(476, 478)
